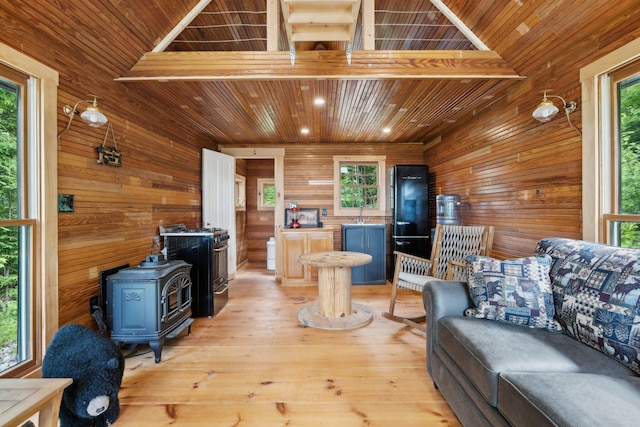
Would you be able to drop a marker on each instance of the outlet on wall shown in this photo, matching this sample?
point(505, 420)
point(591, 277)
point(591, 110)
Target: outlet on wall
point(93, 304)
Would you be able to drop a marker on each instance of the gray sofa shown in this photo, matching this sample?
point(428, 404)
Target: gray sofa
point(494, 373)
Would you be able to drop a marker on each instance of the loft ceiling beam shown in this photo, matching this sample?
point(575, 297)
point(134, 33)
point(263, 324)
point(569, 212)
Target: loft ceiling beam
point(273, 24)
point(461, 26)
point(175, 32)
point(458, 64)
point(368, 25)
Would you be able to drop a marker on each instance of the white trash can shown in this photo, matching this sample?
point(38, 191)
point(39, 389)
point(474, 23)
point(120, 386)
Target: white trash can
point(271, 254)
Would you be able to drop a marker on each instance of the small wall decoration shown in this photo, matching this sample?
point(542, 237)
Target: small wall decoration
point(65, 202)
point(109, 155)
point(307, 217)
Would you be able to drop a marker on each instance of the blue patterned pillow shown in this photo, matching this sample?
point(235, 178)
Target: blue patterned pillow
point(514, 291)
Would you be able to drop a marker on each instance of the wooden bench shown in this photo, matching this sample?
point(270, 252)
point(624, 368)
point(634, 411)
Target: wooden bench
point(21, 398)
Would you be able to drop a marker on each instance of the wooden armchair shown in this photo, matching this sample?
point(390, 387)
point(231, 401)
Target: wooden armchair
point(451, 244)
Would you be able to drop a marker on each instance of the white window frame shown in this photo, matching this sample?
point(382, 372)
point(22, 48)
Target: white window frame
point(261, 183)
point(597, 147)
point(41, 145)
point(338, 210)
point(240, 192)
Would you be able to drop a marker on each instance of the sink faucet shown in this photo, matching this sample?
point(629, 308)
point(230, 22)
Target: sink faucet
point(361, 219)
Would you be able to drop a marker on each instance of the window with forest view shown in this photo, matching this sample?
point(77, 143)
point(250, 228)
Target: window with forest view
point(625, 225)
point(28, 212)
point(359, 185)
point(14, 235)
point(266, 194)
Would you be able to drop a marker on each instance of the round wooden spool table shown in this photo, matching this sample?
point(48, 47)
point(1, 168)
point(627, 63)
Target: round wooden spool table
point(334, 309)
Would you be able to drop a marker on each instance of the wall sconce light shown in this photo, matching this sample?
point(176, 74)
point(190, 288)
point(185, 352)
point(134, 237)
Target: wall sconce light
point(92, 115)
point(546, 110)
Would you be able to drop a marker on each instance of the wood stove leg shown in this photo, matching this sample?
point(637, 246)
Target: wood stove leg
point(156, 346)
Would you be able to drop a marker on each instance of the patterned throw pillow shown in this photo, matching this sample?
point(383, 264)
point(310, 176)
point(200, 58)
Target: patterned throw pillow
point(596, 289)
point(514, 291)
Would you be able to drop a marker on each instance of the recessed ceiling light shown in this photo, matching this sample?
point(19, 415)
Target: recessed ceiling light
point(386, 130)
point(318, 101)
point(304, 131)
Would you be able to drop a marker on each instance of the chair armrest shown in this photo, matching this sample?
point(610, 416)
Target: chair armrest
point(442, 299)
point(412, 264)
point(456, 270)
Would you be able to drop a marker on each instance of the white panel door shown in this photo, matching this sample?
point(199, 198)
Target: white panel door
point(218, 197)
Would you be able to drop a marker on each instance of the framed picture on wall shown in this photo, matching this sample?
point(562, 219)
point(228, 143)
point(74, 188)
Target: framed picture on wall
point(65, 203)
point(307, 217)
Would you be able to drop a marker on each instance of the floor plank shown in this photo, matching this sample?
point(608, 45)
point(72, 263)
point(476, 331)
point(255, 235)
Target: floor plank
point(254, 364)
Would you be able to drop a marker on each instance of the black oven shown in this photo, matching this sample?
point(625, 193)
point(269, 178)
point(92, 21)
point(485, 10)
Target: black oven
point(221, 271)
point(206, 249)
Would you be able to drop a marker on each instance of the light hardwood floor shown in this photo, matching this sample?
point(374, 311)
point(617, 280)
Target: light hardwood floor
point(254, 364)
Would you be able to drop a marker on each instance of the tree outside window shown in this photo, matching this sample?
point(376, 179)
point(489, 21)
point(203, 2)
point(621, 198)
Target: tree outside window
point(628, 95)
point(266, 194)
point(9, 234)
point(359, 185)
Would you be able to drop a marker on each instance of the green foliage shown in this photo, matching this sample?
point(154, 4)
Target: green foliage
point(9, 319)
point(269, 196)
point(359, 186)
point(629, 116)
point(9, 238)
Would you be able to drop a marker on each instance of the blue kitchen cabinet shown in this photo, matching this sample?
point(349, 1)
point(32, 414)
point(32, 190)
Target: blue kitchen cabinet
point(369, 239)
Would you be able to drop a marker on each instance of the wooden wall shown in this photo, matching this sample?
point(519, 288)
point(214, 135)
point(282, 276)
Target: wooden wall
point(312, 163)
point(118, 209)
point(512, 172)
point(306, 163)
point(241, 218)
point(260, 224)
point(525, 181)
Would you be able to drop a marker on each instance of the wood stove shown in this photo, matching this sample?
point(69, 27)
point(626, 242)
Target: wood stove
point(149, 302)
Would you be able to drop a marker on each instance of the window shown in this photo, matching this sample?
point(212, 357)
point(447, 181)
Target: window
point(28, 211)
point(359, 185)
point(15, 247)
point(611, 147)
point(266, 194)
point(240, 188)
point(623, 225)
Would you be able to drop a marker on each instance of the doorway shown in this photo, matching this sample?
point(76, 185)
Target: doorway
point(264, 224)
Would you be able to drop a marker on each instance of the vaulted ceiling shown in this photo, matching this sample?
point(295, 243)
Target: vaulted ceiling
point(248, 71)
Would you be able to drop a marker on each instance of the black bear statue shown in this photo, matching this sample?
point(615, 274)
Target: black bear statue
point(96, 365)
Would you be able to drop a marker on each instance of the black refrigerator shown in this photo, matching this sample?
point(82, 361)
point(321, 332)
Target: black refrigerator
point(409, 202)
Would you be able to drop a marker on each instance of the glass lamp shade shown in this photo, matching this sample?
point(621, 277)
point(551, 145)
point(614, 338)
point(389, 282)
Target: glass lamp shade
point(94, 117)
point(545, 111)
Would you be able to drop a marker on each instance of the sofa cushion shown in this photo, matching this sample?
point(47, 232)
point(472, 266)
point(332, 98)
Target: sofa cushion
point(596, 291)
point(483, 349)
point(515, 291)
point(569, 399)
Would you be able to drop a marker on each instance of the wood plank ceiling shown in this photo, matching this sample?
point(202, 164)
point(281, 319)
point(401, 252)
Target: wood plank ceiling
point(231, 78)
point(243, 74)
